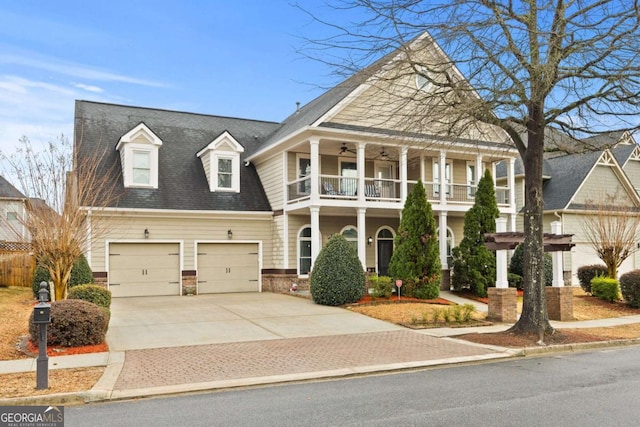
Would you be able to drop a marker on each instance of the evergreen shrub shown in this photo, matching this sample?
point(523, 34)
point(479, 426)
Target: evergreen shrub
point(337, 277)
point(586, 273)
point(91, 293)
point(630, 288)
point(605, 288)
point(74, 323)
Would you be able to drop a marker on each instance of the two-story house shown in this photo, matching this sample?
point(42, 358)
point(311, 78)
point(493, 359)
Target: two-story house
point(216, 204)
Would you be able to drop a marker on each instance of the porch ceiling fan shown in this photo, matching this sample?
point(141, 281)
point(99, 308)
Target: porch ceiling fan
point(383, 154)
point(344, 149)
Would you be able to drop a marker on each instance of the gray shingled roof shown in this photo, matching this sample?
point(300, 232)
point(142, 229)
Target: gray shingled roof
point(622, 152)
point(182, 182)
point(603, 140)
point(7, 190)
point(568, 172)
point(501, 169)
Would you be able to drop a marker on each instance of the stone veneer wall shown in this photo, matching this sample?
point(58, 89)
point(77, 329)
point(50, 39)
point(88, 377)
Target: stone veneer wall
point(281, 283)
point(189, 282)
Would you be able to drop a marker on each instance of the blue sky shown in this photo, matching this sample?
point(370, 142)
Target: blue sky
point(220, 57)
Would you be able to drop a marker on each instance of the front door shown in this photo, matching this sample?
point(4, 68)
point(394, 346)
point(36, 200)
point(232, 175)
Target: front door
point(385, 250)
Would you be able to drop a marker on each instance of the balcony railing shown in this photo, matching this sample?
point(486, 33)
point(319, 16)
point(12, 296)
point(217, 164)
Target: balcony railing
point(340, 187)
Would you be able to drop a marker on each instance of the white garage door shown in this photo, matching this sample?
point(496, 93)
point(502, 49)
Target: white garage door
point(227, 267)
point(144, 269)
point(584, 254)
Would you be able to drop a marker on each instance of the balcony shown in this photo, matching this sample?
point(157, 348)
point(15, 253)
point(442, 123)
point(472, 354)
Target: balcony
point(334, 187)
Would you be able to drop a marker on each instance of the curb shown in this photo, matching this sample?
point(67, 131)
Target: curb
point(576, 347)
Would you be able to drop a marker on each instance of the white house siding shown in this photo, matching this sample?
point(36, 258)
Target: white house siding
point(271, 176)
point(186, 229)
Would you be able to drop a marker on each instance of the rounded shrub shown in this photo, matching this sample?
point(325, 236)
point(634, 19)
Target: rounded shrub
point(630, 288)
point(74, 323)
point(516, 265)
point(427, 288)
point(92, 293)
point(586, 274)
point(337, 277)
point(80, 274)
point(605, 288)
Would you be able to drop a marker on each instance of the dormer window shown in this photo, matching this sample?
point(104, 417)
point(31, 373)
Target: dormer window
point(139, 157)
point(221, 162)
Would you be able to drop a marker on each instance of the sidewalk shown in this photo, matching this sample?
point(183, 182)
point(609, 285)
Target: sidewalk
point(158, 371)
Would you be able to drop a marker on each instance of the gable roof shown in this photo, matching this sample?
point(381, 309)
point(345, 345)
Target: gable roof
point(8, 191)
point(182, 184)
point(568, 173)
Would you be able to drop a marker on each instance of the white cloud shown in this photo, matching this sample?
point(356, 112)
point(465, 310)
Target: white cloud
point(39, 110)
point(89, 88)
point(41, 62)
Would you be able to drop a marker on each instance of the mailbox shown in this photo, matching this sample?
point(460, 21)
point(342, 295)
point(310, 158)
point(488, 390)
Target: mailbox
point(42, 313)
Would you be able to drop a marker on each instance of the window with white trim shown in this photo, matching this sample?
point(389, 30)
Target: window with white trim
point(304, 251)
point(139, 151)
point(225, 172)
point(141, 167)
point(350, 234)
point(221, 162)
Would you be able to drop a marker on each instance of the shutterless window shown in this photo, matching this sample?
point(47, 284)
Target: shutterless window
point(141, 167)
point(224, 173)
point(12, 216)
point(304, 242)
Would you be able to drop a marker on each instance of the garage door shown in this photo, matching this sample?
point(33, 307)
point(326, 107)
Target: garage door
point(227, 267)
point(144, 269)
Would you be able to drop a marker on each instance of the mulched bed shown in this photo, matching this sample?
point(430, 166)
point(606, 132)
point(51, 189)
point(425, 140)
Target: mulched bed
point(369, 300)
point(31, 349)
point(509, 339)
point(468, 295)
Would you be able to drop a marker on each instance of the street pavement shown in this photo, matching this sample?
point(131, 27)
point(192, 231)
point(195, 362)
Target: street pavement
point(166, 345)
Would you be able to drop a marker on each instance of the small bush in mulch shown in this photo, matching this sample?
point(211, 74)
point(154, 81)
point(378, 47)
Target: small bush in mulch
point(605, 288)
point(586, 273)
point(91, 293)
point(630, 288)
point(73, 323)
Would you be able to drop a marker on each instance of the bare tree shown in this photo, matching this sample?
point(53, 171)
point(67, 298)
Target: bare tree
point(529, 65)
point(57, 224)
point(612, 229)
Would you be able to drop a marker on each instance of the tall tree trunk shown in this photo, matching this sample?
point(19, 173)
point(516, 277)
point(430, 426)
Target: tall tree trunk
point(534, 317)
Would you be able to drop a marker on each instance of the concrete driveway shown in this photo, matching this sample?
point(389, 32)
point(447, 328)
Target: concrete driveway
point(155, 322)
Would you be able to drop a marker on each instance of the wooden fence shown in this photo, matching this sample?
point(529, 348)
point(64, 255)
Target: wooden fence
point(17, 268)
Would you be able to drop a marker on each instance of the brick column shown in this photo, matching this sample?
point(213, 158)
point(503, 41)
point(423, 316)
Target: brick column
point(189, 282)
point(503, 305)
point(559, 302)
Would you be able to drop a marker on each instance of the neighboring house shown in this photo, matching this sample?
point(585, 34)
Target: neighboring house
point(13, 211)
point(606, 164)
point(217, 204)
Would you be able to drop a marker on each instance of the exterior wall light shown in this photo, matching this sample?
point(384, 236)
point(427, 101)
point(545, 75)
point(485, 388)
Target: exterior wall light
point(146, 233)
point(369, 240)
point(230, 234)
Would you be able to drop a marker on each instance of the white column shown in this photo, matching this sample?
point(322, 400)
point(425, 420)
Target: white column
point(511, 179)
point(315, 170)
point(443, 177)
point(423, 170)
point(501, 257)
point(362, 238)
point(558, 280)
point(403, 174)
point(360, 165)
point(479, 171)
point(512, 221)
point(442, 240)
point(316, 242)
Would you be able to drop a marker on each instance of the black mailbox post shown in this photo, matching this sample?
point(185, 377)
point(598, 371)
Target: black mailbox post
point(42, 317)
